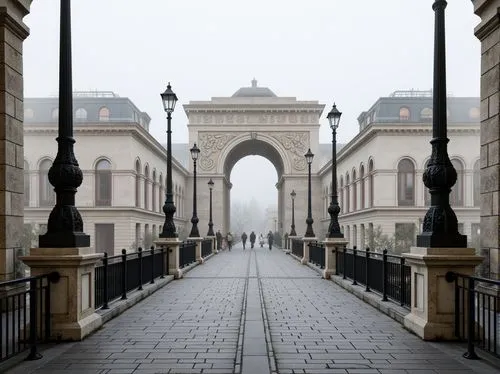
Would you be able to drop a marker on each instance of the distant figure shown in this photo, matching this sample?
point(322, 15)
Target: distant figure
point(261, 240)
point(244, 239)
point(218, 238)
point(229, 239)
point(270, 238)
point(252, 239)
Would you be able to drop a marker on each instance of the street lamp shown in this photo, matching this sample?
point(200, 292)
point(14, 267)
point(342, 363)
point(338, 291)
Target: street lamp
point(292, 227)
point(65, 224)
point(309, 231)
point(195, 152)
point(169, 98)
point(210, 223)
point(334, 209)
point(440, 226)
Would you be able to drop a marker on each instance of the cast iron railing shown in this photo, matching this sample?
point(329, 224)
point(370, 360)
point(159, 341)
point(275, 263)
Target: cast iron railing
point(317, 254)
point(25, 315)
point(384, 273)
point(477, 313)
point(206, 247)
point(117, 275)
point(298, 247)
point(187, 253)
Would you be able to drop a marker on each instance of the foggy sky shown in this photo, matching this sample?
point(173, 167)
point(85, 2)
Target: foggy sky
point(350, 52)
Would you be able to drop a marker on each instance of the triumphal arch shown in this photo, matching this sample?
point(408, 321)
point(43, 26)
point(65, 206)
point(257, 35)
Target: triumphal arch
point(254, 121)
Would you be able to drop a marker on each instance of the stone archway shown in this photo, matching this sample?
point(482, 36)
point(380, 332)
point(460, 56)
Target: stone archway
point(254, 121)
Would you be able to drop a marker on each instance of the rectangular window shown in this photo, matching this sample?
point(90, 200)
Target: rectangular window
point(404, 237)
point(105, 238)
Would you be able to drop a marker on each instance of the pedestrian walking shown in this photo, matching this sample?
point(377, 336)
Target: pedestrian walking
point(270, 239)
point(244, 239)
point(229, 239)
point(252, 239)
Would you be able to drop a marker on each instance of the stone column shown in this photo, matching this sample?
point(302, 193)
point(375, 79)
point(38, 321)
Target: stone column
point(172, 246)
point(432, 315)
point(332, 245)
point(12, 34)
point(306, 241)
point(488, 32)
point(72, 298)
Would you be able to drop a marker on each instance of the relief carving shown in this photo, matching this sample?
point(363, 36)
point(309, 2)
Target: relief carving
point(210, 146)
point(296, 144)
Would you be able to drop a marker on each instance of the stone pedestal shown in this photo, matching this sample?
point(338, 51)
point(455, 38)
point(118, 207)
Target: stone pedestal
point(171, 245)
point(214, 243)
point(198, 242)
point(432, 297)
point(72, 298)
point(332, 245)
point(290, 242)
point(306, 241)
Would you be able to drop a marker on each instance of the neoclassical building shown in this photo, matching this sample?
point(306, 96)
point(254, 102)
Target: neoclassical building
point(380, 170)
point(124, 170)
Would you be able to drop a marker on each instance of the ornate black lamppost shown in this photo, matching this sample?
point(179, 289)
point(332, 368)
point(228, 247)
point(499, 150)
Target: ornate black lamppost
point(65, 224)
point(309, 231)
point(195, 151)
point(169, 99)
point(334, 209)
point(440, 228)
point(210, 222)
point(292, 227)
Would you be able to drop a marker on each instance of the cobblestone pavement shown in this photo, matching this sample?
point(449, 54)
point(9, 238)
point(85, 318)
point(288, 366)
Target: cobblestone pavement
point(252, 312)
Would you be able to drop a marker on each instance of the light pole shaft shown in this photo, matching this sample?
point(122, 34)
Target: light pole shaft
point(194, 220)
point(210, 221)
point(169, 197)
point(334, 168)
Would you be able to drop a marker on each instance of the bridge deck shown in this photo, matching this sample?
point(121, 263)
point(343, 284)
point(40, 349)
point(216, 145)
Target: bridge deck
point(256, 312)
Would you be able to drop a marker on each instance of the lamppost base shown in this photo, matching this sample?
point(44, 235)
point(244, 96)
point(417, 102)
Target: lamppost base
point(64, 240)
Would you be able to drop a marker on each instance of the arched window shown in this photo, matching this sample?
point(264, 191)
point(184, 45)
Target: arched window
point(426, 114)
point(457, 191)
point(404, 114)
point(474, 113)
point(146, 187)
point(153, 191)
point(370, 183)
point(29, 113)
point(476, 184)
point(26, 184)
point(137, 184)
point(104, 114)
point(406, 183)
point(362, 187)
point(103, 183)
point(354, 192)
point(55, 114)
point(427, 194)
point(81, 114)
point(347, 194)
point(47, 194)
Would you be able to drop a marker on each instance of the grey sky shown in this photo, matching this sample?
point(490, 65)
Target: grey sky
point(349, 51)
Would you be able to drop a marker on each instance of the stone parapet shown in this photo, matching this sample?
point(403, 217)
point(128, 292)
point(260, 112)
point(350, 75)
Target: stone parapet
point(306, 241)
point(332, 245)
point(171, 245)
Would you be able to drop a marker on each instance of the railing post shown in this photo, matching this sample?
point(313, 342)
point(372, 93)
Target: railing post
point(402, 283)
point(367, 269)
point(471, 319)
point(162, 250)
point(344, 262)
point(105, 281)
point(384, 275)
point(139, 255)
point(124, 274)
point(354, 254)
point(33, 355)
point(152, 265)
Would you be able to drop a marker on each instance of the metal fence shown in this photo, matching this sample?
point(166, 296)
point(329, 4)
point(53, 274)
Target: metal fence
point(187, 253)
point(384, 273)
point(206, 247)
point(25, 315)
point(317, 254)
point(477, 319)
point(118, 275)
point(298, 247)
